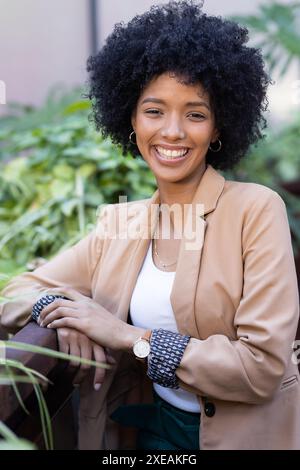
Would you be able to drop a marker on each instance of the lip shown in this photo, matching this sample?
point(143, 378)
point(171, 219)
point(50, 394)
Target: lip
point(174, 161)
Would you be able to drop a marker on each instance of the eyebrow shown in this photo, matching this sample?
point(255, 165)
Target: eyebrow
point(190, 103)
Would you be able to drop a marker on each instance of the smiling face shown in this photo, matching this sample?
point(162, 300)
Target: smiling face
point(174, 125)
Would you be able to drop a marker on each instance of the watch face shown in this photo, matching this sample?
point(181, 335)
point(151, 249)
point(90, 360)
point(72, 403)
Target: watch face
point(141, 348)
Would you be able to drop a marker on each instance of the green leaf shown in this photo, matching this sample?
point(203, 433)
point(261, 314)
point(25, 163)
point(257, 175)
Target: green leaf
point(15, 387)
point(69, 206)
point(18, 444)
point(77, 106)
point(6, 432)
point(51, 353)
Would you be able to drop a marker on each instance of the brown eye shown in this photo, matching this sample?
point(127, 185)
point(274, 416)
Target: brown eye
point(152, 111)
point(197, 116)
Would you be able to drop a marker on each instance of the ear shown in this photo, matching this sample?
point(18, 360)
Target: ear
point(215, 135)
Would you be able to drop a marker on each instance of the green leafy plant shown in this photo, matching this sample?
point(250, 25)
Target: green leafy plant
point(53, 177)
point(277, 28)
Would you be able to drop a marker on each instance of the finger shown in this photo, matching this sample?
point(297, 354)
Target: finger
point(99, 356)
point(63, 345)
point(59, 312)
point(69, 292)
point(74, 351)
point(86, 353)
point(66, 322)
point(109, 357)
point(54, 305)
point(111, 360)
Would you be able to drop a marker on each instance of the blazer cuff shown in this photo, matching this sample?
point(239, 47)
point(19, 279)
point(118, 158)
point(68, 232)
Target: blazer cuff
point(43, 302)
point(166, 351)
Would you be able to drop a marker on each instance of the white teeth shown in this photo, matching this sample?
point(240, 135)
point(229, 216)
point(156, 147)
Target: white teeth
point(166, 153)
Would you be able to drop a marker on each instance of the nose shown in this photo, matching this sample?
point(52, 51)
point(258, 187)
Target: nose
point(172, 129)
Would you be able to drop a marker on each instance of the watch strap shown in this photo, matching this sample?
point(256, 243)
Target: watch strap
point(147, 335)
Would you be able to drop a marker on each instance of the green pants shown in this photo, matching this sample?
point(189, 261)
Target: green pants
point(160, 425)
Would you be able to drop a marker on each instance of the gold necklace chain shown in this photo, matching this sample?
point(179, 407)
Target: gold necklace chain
point(164, 265)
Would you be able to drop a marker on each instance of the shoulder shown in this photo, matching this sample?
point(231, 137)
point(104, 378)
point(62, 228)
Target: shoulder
point(251, 197)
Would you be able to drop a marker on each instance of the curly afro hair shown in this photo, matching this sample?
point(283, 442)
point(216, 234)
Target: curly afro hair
point(178, 37)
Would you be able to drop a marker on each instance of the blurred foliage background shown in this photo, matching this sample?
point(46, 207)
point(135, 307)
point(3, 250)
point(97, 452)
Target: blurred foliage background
point(55, 170)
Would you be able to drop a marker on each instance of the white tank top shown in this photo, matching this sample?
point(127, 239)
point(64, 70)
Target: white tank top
point(150, 307)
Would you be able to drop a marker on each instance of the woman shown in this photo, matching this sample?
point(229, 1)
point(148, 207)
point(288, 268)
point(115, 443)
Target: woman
point(198, 282)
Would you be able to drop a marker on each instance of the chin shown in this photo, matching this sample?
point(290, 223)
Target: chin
point(173, 178)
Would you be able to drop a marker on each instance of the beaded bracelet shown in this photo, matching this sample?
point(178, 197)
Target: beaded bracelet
point(43, 302)
point(167, 349)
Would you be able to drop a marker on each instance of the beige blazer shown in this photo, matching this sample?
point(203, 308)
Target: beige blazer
point(235, 294)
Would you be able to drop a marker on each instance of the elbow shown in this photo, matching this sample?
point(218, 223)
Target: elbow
point(10, 328)
point(263, 371)
point(262, 395)
point(264, 385)
point(12, 319)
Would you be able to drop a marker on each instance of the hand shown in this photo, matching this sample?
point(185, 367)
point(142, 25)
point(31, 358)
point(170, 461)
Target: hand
point(72, 342)
point(90, 318)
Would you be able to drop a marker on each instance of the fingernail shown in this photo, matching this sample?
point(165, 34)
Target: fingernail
point(97, 387)
point(42, 324)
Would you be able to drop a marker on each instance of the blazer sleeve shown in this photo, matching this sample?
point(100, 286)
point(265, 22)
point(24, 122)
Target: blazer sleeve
point(250, 368)
point(73, 267)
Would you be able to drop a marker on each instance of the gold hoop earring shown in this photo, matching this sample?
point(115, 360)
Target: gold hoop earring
point(130, 135)
point(218, 149)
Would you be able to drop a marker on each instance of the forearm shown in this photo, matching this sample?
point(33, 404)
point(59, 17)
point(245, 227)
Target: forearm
point(87, 317)
point(62, 271)
point(230, 370)
point(20, 295)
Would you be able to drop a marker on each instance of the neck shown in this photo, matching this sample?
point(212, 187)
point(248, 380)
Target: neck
point(174, 196)
point(180, 192)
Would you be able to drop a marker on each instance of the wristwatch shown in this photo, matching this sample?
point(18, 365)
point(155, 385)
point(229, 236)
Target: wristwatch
point(141, 347)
